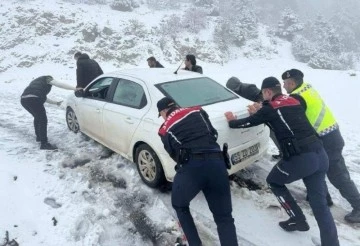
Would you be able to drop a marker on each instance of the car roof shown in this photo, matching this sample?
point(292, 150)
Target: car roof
point(155, 75)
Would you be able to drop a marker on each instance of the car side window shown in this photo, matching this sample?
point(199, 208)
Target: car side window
point(129, 94)
point(99, 89)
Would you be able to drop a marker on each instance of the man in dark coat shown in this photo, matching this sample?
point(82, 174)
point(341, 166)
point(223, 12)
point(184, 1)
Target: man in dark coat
point(304, 158)
point(252, 93)
point(153, 63)
point(190, 139)
point(248, 91)
point(86, 70)
point(33, 99)
point(190, 64)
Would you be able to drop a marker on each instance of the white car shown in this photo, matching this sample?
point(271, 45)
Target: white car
point(119, 110)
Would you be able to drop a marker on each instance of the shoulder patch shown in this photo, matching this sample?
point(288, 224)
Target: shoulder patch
point(175, 117)
point(284, 101)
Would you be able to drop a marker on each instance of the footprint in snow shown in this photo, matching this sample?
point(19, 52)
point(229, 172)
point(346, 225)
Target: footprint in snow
point(52, 202)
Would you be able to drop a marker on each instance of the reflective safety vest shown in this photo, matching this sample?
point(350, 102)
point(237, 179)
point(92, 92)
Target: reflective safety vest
point(319, 115)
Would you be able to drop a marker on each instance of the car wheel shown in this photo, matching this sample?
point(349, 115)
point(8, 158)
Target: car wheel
point(71, 120)
point(149, 166)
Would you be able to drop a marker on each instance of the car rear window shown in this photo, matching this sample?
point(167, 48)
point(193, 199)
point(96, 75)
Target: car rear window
point(195, 92)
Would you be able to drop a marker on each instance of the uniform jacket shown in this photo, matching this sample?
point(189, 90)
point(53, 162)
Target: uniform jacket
point(317, 112)
point(188, 128)
point(38, 87)
point(284, 115)
point(87, 70)
point(195, 68)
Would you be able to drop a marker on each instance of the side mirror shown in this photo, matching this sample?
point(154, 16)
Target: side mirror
point(80, 93)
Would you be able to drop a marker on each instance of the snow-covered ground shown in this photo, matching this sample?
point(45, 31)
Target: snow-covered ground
point(82, 196)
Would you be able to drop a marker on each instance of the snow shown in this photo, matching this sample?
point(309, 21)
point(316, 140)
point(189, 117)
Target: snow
point(88, 214)
point(94, 197)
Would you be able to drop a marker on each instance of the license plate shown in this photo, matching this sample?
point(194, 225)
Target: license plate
point(245, 154)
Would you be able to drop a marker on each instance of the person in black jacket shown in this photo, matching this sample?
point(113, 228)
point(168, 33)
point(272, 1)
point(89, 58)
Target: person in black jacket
point(329, 132)
point(153, 63)
point(86, 69)
point(33, 99)
point(252, 93)
point(190, 64)
point(190, 140)
point(304, 158)
point(248, 91)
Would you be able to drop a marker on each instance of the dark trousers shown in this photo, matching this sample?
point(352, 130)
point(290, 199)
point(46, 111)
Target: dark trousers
point(35, 107)
point(210, 177)
point(311, 167)
point(338, 173)
point(274, 139)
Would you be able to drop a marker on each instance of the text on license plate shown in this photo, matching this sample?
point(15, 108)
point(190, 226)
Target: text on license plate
point(245, 154)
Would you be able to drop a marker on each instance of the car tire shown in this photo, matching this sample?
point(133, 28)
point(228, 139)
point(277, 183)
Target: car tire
point(71, 120)
point(149, 166)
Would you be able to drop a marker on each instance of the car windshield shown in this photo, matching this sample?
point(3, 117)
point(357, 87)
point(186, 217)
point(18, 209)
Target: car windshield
point(196, 92)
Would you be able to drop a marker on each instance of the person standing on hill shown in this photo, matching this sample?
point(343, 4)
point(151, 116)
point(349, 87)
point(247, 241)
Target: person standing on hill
point(86, 69)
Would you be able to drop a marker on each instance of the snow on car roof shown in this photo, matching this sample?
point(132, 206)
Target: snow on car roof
point(155, 75)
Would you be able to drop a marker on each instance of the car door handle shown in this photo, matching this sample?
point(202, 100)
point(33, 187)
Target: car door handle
point(97, 110)
point(129, 120)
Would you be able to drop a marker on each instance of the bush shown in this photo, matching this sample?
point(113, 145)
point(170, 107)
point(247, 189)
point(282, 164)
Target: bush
point(124, 5)
point(135, 28)
point(194, 20)
point(289, 25)
point(170, 26)
point(302, 49)
point(238, 22)
point(163, 4)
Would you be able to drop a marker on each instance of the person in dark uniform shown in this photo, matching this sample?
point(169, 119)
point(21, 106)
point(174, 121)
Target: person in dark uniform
point(33, 99)
point(190, 64)
point(190, 139)
point(304, 158)
point(324, 122)
point(86, 69)
point(252, 93)
point(153, 63)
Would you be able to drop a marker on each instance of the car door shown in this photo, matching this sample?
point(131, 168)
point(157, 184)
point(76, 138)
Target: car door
point(90, 107)
point(124, 113)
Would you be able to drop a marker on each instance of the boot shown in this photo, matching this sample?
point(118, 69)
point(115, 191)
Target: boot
point(353, 217)
point(48, 146)
point(293, 225)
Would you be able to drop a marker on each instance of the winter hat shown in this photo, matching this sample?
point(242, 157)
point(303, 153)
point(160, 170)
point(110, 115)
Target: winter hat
point(292, 73)
point(233, 83)
point(165, 103)
point(270, 82)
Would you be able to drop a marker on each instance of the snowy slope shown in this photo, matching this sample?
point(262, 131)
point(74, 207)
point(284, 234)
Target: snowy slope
point(94, 199)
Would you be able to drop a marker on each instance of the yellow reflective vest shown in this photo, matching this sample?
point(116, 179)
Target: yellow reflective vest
point(319, 115)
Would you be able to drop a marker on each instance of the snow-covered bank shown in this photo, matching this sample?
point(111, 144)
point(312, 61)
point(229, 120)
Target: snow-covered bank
point(97, 199)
